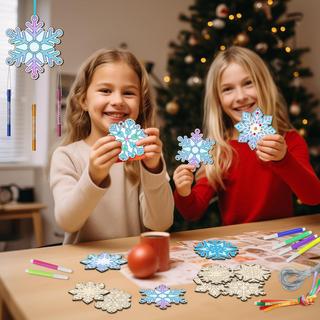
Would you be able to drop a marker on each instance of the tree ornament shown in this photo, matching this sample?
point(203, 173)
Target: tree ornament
point(222, 11)
point(296, 82)
point(295, 108)
point(172, 107)
point(218, 24)
point(188, 59)
point(261, 47)
point(193, 40)
point(241, 39)
point(194, 81)
point(263, 6)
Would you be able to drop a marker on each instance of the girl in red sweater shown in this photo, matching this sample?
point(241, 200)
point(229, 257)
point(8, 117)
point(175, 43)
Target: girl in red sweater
point(250, 185)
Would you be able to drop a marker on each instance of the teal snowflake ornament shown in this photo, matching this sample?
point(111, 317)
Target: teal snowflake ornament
point(216, 249)
point(104, 261)
point(34, 47)
point(128, 133)
point(162, 296)
point(195, 149)
point(254, 126)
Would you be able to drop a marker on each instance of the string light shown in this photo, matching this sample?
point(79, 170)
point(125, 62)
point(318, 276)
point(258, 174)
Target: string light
point(296, 74)
point(210, 23)
point(250, 28)
point(274, 30)
point(166, 79)
point(302, 132)
point(305, 121)
point(287, 49)
point(283, 29)
point(231, 17)
point(203, 60)
point(270, 2)
point(222, 48)
point(239, 15)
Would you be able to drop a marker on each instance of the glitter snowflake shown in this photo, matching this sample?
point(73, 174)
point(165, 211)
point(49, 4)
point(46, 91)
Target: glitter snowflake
point(162, 296)
point(243, 290)
point(216, 249)
point(128, 133)
point(215, 290)
point(104, 261)
point(116, 300)
point(34, 47)
point(89, 291)
point(215, 274)
point(195, 149)
point(253, 126)
point(252, 273)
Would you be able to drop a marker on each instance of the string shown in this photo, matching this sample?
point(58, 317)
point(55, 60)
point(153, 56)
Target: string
point(58, 104)
point(34, 7)
point(9, 103)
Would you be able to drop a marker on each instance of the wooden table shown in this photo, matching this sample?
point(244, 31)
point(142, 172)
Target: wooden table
point(38, 298)
point(16, 211)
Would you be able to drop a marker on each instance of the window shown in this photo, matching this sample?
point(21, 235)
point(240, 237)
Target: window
point(12, 148)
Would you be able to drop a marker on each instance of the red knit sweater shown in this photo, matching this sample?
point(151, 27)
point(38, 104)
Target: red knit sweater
point(257, 190)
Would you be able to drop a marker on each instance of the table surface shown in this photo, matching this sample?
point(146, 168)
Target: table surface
point(19, 206)
point(31, 297)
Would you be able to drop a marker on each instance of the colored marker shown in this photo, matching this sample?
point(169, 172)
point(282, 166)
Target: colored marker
point(50, 265)
point(47, 274)
point(298, 244)
point(304, 249)
point(292, 240)
point(284, 233)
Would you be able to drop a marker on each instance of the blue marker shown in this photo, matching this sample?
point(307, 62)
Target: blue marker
point(284, 233)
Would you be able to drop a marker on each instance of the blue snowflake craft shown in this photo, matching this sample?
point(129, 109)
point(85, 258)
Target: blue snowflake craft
point(195, 149)
point(162, 296)
point(34, 47)
point(253, 126)
point(128, 133)
point(216, 249)
point(104, 261)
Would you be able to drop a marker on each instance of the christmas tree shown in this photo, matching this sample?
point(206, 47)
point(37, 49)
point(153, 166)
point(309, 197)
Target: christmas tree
point(261, 25)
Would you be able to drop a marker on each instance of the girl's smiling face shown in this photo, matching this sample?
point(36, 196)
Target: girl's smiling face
point(113, 95)
point(237, 92)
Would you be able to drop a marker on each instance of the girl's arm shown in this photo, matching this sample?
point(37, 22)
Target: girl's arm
point(295, 169)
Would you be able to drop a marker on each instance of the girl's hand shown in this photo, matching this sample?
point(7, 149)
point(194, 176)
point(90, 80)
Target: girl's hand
point(272, 148)
point(104, 154)
point(152, 150)
point(183, 178)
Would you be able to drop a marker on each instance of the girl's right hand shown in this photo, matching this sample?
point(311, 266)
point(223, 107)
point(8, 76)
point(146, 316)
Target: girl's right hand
point(104, 154)
point(183, 178)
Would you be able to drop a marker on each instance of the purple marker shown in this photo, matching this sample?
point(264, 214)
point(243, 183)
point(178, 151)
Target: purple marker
point(298, 244)
point(284, 233)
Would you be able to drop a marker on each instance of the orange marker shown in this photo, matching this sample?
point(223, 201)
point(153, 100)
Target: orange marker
point(34, 118)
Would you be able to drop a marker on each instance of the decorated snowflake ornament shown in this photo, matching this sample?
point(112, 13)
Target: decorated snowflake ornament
point(216, 274)
point(89, 291)
point(215, 290)
point(128, 133)
point(104, 261)
point(254, 126)
point(244, 290)
point(195, 149)
point(115, 300)
point(34, 47)
point(162, 296)
point(252, 273)
point(216, 249)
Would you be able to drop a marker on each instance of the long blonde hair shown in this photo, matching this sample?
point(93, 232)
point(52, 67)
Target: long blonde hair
point(77, 121)
point(218, 126)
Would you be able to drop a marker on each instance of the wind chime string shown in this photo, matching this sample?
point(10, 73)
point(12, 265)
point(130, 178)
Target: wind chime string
point(58, 104)
point(9, 103)
point(34, 7)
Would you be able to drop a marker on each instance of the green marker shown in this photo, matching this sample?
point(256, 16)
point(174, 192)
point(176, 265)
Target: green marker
point(292, 240)
point(46, 274)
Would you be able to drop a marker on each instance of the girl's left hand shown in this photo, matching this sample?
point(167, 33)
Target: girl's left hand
point(272, 148)
point(152, 150)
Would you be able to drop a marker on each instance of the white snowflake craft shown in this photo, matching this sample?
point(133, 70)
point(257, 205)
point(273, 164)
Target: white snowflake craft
point(128, 133)
point(89, 291)
point(104, 261)
point(162, 296)
point(215, 290)
point(254, 126)
point(34, 47)
point(195, 149)
point(115, 300)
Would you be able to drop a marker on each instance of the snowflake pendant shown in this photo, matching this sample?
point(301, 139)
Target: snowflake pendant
point(162, 296)
point(254, 126)
point(216, 249)
point(34, 47)
point(244, 290)
point(216, 274)
point(89, 291)
point(252, 273)
point(128, 133)
point(195, 149)
point(115, 300)
point(103, 262)
point(215, 290)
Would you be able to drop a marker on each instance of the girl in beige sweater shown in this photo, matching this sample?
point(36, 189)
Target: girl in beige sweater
point(96, 196)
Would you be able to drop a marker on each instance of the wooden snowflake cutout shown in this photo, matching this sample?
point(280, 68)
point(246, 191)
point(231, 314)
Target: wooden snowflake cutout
point(243, 290)
point(89, 291)
point(215, 290)
point(252, 273)
point(116, 300)
point(216, 274)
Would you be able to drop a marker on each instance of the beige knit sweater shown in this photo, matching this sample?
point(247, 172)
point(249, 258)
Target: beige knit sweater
point(87, 212)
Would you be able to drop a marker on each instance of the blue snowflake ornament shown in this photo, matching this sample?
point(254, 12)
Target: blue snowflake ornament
point(162, 296)
point(216, 249)
point(128, 133)
point(253, 126)
point(34, 47)
point(195, 149)
point(104, 261)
